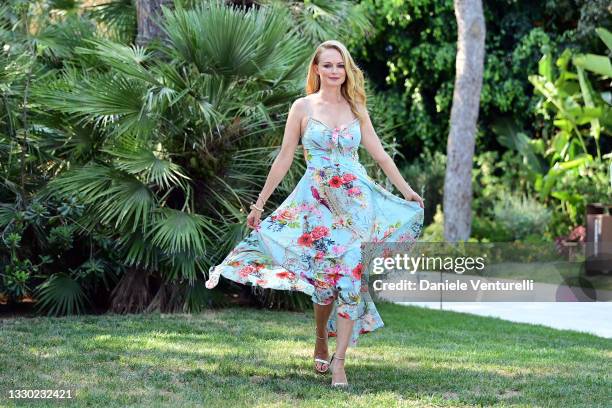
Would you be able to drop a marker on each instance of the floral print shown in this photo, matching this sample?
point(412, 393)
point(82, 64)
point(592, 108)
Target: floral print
point(312, 242)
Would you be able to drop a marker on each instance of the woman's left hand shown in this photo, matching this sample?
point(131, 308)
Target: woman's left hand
point(412, 196)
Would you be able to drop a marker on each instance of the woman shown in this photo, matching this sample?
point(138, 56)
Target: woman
point(312, 242)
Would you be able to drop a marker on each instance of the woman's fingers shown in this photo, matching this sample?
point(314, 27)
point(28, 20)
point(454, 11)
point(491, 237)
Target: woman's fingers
point(420, 200)
point(253, 220)
point(415, 197)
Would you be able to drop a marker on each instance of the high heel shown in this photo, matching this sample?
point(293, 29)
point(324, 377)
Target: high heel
point(322, 361)
point(336, 384)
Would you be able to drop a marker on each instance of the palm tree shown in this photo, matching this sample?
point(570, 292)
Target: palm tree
point(163, 145)
point(180, 132)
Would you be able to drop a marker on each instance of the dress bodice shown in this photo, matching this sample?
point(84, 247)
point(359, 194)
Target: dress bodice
point(326, 146)
point(312, 242)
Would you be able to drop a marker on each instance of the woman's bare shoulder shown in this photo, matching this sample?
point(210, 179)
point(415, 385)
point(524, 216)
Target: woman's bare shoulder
point(302, 106)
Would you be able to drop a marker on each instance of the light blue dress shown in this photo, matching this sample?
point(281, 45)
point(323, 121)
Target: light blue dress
point(312, 241)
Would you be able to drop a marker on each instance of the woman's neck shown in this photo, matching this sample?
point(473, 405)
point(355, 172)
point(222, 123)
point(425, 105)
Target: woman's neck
point(331, 96)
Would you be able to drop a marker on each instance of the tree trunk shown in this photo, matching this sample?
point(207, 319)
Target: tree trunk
point(148, 13)
point(464, 115)
point(131, 295)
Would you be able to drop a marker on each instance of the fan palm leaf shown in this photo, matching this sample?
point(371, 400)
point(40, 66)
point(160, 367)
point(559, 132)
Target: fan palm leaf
point(61, 295)
point(177, 231)
point(119, 199)
point(153, 169)
point(110, 100)
point(126, 203)
point(319, 20)
point(129, 60)
point(226, 41)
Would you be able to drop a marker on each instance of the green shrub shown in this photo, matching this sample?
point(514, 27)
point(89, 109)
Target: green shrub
point(485, 229)
point(522, 216)
point(573, 190)
point(495, 176)
point(434, 232)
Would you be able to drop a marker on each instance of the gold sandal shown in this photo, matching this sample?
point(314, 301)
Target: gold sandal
point(336, 384)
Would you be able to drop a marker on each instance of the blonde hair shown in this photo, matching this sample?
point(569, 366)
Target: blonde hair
point(352, 88)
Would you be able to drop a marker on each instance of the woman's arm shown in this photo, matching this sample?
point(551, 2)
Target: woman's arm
point(283, 160)
point(371, 142)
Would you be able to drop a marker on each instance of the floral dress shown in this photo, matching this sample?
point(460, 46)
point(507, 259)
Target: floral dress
point(312, 242)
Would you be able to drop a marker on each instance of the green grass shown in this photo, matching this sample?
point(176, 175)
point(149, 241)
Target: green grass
point(244, 357)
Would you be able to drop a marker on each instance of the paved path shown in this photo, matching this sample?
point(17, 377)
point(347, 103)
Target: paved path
point(590, 317)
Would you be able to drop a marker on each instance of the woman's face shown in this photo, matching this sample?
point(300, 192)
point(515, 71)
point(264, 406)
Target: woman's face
point(331, 68)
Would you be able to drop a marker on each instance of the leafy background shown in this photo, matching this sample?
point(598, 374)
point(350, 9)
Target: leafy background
point(127, 170)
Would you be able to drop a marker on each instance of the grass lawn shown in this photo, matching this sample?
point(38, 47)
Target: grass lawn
point(245, 357)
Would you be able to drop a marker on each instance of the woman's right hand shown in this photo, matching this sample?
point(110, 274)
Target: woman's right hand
point(253, 219)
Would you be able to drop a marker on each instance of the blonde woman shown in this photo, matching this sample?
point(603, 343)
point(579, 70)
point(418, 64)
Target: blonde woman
point(312, 241)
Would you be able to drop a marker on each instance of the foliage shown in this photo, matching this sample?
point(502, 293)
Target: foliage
point(116, 19)
point(522, 216)
point(568, 156)
point(426, 176)
point(496, 176)
point(46, 231)
point(319, 20)
point(434, 232)
point(170, 154)
point(161, 147)
point(590, 183)
point(487, 229)
point(414, 44)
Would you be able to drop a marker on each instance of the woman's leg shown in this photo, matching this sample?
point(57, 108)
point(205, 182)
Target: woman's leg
point(322, 313)
point(347, 314)
point(343, 337)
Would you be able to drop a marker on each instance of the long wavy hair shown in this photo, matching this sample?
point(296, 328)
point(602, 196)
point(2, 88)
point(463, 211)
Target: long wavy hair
point(352, 88)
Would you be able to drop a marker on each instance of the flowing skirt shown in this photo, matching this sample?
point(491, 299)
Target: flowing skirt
point(313, 243)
